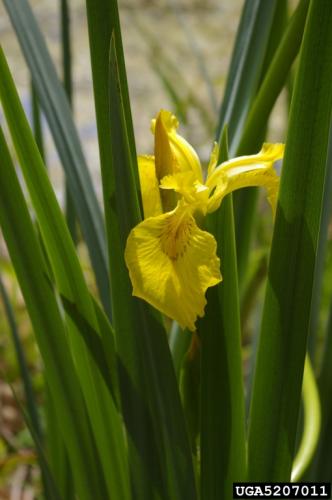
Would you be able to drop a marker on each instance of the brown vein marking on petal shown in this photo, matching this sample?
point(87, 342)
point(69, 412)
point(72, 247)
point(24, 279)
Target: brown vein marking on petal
point(175, 237)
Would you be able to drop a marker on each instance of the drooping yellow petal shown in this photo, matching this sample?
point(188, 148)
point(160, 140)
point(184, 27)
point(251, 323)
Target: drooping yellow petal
point(268, 154)
point(246, 171)
point(184, 156)
point(171, 264)
point(149, 186)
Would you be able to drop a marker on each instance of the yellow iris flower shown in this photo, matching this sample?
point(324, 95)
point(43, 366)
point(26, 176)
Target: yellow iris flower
point(171, 260)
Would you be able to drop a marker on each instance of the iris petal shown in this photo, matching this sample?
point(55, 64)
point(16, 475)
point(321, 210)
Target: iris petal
point(184, 183)
point(149, 186)
point(246, 171)
point(171, 264)
point(166, 163)
point(171, 261)
point(184, 155)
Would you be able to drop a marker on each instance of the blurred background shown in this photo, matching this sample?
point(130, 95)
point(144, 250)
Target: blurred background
point(177, 55)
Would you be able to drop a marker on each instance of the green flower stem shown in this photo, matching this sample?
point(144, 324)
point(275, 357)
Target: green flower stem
point(312, 421)
point(179, 342)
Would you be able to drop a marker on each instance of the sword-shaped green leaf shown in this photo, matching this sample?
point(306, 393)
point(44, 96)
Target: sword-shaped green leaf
point(223, 444)
point(280, 362)
point(161, 464)
point(70, 282)
point(49, 329)
point(55, 106)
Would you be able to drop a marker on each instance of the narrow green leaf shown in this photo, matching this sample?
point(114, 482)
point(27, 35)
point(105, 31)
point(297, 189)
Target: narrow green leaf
point(169, 441)
point(32, 412)
point(68, 86)
point(321, 470)
point(160, 456)
point(66, 50)
point(105, 359)
point(311, 424)
point(37, 121)
point(256, 122)
point(22, 363)
point(223, 449)
point(245, 68)
point(314, 344)
point(41, 303)
point(50, 488)
point(279, 22)
point(274, 79)
point(280, 361)
point(105, 419)
point(57, 453)
point(57, 112)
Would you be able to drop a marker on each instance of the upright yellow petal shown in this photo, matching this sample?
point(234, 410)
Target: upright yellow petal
point(246, 171)
point(184, 155)
point(166, 163)
point(149, 186)
point(171, 264)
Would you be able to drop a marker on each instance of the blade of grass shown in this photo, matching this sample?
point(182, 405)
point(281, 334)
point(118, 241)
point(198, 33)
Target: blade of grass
point(161, 464)
point(50, 488)
point(57, 112)
point(41, 303)
point(105, 419)
point(32, 411)
point(223, 445)
point(22, 363)
point(280, 361)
